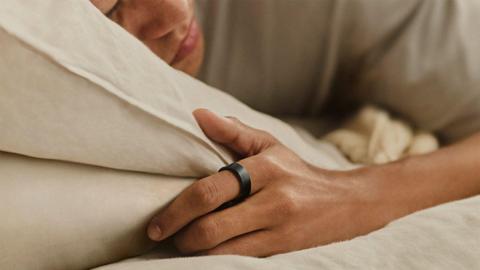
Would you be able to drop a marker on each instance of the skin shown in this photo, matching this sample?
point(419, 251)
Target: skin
point(294, 205)
point(162, 25)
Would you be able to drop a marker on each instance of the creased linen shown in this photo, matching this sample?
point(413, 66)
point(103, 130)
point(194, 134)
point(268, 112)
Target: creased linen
point(374, 137)
point(61, 215)
point(443, 237)
point(109, 102)
point(87, 92)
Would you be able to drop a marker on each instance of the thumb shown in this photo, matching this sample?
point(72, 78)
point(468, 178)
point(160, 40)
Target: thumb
point(232, 133)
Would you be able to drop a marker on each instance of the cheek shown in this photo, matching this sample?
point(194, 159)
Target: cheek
point(104, 5)
point(151, 19)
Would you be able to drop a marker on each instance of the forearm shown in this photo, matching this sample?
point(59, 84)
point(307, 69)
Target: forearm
point(416, 183)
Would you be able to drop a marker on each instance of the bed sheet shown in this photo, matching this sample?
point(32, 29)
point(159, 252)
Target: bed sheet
point(443, 237)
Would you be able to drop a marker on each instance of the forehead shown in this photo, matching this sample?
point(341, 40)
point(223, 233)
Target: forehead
point(104, 5)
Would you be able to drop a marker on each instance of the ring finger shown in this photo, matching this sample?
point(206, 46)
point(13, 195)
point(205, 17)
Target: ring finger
point(213, 229)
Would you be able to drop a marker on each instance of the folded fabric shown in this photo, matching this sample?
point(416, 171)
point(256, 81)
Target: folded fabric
point(374, 137)
point(109, 101)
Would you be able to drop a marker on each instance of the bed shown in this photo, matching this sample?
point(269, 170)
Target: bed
point(88, 156)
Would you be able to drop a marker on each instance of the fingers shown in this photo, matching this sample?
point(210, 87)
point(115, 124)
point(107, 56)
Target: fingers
point(218, 227)
point(209, 193)
point(256, 244)
point(202, 197)
point(230, 132)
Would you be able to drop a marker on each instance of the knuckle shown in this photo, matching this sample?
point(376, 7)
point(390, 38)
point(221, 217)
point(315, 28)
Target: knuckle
point(234, 119)
point(267, 140)
point(205, 194)
point(206, 232)
point(268, 161)
point(287, 205)
point(200, 235)
point(271, 164)
point(268, 136)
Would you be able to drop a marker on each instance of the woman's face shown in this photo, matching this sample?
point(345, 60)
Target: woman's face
point(168, 27)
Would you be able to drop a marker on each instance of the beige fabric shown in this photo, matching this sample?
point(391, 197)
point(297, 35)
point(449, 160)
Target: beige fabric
point(374, 137)
point(74, 215)
point(109, 102)
point(417, 58)
point(59, 215)
point(87, 92)
point(444, 237)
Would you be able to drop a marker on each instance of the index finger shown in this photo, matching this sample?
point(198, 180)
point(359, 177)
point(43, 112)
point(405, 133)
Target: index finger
point(201, 198)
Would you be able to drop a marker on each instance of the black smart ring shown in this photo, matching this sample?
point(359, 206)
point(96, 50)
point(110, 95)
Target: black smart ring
point(243, 177)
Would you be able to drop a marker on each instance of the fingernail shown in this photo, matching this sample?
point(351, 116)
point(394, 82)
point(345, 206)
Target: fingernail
point(154, 232)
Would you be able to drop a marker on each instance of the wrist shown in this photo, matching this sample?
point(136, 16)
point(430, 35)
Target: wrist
point(384, 193)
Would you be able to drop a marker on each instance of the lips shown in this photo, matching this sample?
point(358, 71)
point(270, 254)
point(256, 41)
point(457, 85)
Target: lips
point(189, 43)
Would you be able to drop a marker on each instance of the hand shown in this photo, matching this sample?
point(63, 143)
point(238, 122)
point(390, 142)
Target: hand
point(293, 205)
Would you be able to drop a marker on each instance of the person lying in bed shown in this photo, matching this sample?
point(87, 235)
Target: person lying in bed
point(293, 205)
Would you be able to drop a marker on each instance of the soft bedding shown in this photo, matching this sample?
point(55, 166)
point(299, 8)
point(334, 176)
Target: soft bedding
point(111, 104)
point(444, 237)
point(99, 137)
point(60, 215)
point(104, 102)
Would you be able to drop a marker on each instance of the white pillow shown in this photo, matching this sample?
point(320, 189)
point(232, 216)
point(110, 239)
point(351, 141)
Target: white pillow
point(82, 89)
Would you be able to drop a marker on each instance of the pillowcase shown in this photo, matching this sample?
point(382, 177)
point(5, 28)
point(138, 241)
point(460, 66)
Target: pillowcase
point(89, 92)
point(61, 215)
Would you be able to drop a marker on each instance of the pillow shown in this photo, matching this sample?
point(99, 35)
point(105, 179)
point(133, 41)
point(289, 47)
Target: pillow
point(61, 215)
point(89, 92)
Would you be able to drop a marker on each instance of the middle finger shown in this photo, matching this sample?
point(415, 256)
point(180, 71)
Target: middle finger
point(215, 228)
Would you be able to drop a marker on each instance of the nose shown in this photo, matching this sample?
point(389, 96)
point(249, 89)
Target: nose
point(154, 19)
